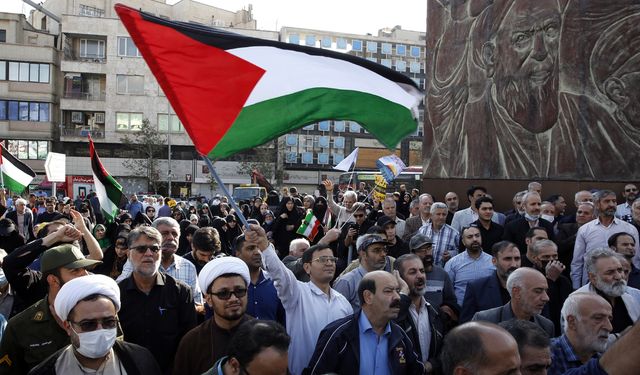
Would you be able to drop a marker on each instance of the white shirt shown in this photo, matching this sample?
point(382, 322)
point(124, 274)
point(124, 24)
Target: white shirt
point(420, 318)
point(623, 209)
point(593, 235)
point(308, 308)
point(68, 364)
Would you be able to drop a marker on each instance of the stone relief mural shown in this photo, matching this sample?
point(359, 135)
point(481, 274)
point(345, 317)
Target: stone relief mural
point(533, 88)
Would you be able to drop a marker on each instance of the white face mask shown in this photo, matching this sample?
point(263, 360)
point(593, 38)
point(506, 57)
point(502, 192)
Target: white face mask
point(96, 344)
point(548, 218)
point(531, 217)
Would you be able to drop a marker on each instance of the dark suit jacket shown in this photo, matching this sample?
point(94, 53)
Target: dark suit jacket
point(481, 294)
point(28, 222)
point(411, 226)
point(504, 313)
point(516, 231)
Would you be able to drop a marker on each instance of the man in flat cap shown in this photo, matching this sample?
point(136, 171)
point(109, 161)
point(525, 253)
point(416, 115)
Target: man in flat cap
point(224, 281)
point(88, 308)
point(35, 333)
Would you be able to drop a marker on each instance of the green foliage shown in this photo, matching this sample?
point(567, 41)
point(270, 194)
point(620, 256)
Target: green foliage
point(148, 145)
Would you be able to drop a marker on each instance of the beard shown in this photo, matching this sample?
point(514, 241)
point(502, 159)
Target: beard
point(535, 107)
point(615, 289)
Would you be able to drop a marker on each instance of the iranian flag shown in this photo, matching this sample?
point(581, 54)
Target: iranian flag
point(310, 225)
point(108, 190)
point(233, 92)
point(16, 175)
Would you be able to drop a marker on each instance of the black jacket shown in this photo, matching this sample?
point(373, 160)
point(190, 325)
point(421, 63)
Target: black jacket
point(338, 350)
point(436, 325)
point(135, 359)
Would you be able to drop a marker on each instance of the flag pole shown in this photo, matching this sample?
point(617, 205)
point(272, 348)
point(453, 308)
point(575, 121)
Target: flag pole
point(1, 173)
point(353, 170)
point(243, 220)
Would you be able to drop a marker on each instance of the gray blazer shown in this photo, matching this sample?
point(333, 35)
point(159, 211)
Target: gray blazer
point(504, 313)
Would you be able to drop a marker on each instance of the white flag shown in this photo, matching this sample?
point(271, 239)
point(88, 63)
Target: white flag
point(346, 163)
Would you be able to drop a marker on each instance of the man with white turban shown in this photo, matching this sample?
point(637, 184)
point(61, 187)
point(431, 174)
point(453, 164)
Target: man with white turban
point(88, 307)
point(224, 282)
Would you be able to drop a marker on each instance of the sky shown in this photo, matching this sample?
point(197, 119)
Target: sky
point(348, 16)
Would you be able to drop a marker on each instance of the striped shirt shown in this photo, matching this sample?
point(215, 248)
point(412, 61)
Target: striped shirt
point(447, 239)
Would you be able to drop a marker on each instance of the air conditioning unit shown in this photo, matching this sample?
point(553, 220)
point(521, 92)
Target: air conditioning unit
point(76, 117)
point(99, 118)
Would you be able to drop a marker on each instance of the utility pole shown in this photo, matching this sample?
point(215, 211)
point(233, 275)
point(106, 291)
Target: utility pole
point(169, 142)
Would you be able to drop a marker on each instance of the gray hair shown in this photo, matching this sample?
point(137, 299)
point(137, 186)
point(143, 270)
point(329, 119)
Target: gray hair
point(516, 279)
point(146, 231)
point(438, 205)
point(309, 198)
point(542, 244)
point(389, 200)
point(571, 306)
point(591, 258)
point(414, 203)
point(575, 196)
point(166, 220)
point(21, 201)
point(529, 194)
point(519, 194)
point(424, 195)
point(294, 243)
point(350, 194)
point(531, 184)
point(593, 206)
point(603, 193)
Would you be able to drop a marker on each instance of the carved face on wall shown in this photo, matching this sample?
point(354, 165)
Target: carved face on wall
point(525, 57)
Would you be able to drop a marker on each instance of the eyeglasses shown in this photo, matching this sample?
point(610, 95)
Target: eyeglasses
point(92, 324)
point(326, 259)
point(143, 248)
point(226, 294)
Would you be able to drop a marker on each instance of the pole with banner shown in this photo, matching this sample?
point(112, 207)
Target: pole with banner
point(55, 168)
point(243, 220)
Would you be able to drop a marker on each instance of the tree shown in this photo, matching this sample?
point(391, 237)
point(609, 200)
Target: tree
point(146, 146)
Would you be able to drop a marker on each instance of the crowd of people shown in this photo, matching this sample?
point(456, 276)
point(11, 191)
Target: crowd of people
point(409, 284)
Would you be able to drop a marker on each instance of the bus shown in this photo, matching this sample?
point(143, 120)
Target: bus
point(411, 177)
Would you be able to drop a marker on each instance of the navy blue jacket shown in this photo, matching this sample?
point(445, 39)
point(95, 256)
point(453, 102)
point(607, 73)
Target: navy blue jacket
point(481, 294)
point(338, 350)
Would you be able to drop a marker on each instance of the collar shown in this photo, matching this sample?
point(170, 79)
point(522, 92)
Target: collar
point(130, 283)
point(614, 222)
point(318, 292)
point(42, 311)
point(364, 326)
point(177, 263)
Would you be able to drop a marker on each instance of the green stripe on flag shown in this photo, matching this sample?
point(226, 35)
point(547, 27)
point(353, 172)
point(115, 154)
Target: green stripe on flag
point(389, 122)
point(12, 184)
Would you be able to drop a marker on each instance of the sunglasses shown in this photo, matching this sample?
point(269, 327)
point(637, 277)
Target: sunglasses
point(151, 210)
point(92, 324)
point(226, 294)
point(326, 260)
point(143, 248)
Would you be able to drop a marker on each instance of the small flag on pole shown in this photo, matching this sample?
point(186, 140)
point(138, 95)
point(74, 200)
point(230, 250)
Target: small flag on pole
point(347, 162)
point(16, 175)
point(108, 190)
point(390, 166)
point(310, 225)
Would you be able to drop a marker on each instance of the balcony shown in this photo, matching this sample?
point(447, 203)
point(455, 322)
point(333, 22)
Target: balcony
point(81, 132)
point(77, 123)
point(91, 96)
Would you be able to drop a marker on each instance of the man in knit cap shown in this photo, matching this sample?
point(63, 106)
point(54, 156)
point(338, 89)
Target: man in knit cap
point(224, 281)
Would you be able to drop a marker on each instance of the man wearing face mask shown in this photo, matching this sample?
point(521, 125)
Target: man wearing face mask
point(516, 230)
point(35, 334)
point(88, 307)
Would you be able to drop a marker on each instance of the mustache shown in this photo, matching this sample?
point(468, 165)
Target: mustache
point(395, 303)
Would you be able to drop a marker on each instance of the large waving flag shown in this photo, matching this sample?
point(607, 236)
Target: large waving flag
point(16, 175)
point(233, 92)
point(108, 190)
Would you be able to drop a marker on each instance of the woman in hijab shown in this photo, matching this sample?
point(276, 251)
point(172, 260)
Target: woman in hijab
point(100, 234)
point(115, 256)
point(320, 208)
point(221, 226)
point(288, 220)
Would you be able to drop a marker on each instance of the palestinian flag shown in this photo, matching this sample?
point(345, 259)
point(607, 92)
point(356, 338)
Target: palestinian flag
point(108, 190)
point(234, 92)
point(310, 226)
point(16, 175)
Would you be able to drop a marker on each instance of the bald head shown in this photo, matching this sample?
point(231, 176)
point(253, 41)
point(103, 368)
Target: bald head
point(490, 349)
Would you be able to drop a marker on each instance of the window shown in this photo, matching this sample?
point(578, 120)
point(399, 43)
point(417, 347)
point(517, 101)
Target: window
point(341, 43)
point(401, 50)
point(338, 142)
point(323, 126)
point(14, 67)
point(129, 84)
point(128, 121)
point(326, 42)
point(307, 158)
point(414, 67)
point(3, 36)
point(3, 70)
point(292, 140)
point(401, 66)
point(386, 62)
point(77, 117)
point(24, 71)
point(294, 38)
point(44, 73)
point(356, 45)
point(291, 157)
point(44, 112)
point(24, 111)
point(338, 126)
point(310, 40)
point(337, 158)
point(127, 48)
point(386, 48)
point(323, 158)
point(26, 149)
point(3, 110)
point(34, 72)
point(354, 127)
point(372, 46)
point(323, 142)
point(13, 111)
point(164, 125)
point(415, 51)
point(92, 48)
